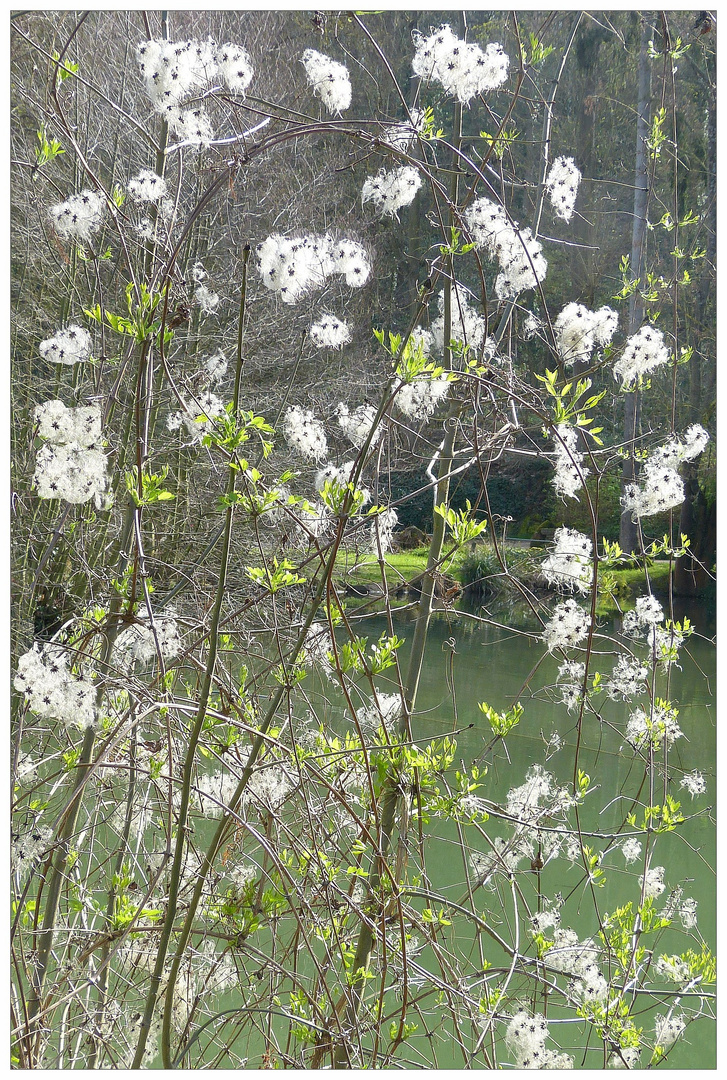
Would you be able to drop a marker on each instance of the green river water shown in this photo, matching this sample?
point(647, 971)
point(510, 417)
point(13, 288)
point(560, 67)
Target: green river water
point(468, 661)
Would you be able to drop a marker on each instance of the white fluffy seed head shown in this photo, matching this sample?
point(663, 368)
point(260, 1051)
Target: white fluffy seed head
point(329, 80)
point(569, 565)
point(694, 783)
point(382, 531)
point(79, 217)
point(570, 472)
point(662, 488)
point(562, 186)
point(215, 367)
point(304, 433)
point(234, 67)
point(522, 263)
point(357, 423)
point(293, 266)
point(390, 191)
point(70, 465)
point(70, 472)
point(52, 690)
point(198, 416)
point(58, 424)
point(667, 1029)
point(174, 70)
point(644, 352)
point(578, 331)
point(658, 725)
point(631, 849)
point(383, 711)
point(646, 614)
point(627, 679)
point(571, 673)
point(191, 126)
point(72, 345)
point(567, 627)
point(146, 186)
point(462, 68)
point(140, 643)
point(208, 301)
point(329, 332)
point(418, 399)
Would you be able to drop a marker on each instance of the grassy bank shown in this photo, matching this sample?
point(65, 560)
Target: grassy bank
point(480, 572)
point(401, 566)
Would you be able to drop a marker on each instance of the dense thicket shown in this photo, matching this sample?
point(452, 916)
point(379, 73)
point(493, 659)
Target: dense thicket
point(223, 809)
point(314, 184)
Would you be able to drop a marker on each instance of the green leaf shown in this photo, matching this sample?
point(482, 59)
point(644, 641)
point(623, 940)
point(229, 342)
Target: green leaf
point(64, 69)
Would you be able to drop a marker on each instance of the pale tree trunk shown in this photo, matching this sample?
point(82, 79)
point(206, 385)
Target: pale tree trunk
point(584, 267)
point(698, 516)
point(629, 536)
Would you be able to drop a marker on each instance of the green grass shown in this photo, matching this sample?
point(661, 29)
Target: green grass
point(400, 566)
point(480, 570)
point(635, 577)
point(403, 566)
point(631, 582)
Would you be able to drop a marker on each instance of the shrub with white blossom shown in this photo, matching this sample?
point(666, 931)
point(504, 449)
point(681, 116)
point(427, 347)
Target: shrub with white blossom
point(246, 831)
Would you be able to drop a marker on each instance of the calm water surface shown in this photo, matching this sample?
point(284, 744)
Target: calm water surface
point(469, 661)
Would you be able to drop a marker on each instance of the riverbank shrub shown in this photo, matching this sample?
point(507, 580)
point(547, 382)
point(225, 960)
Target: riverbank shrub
point(280, 280)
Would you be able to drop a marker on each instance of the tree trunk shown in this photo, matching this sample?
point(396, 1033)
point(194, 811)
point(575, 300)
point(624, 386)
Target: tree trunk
point(628, 537)
point(584, 269)
point(697, 518)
